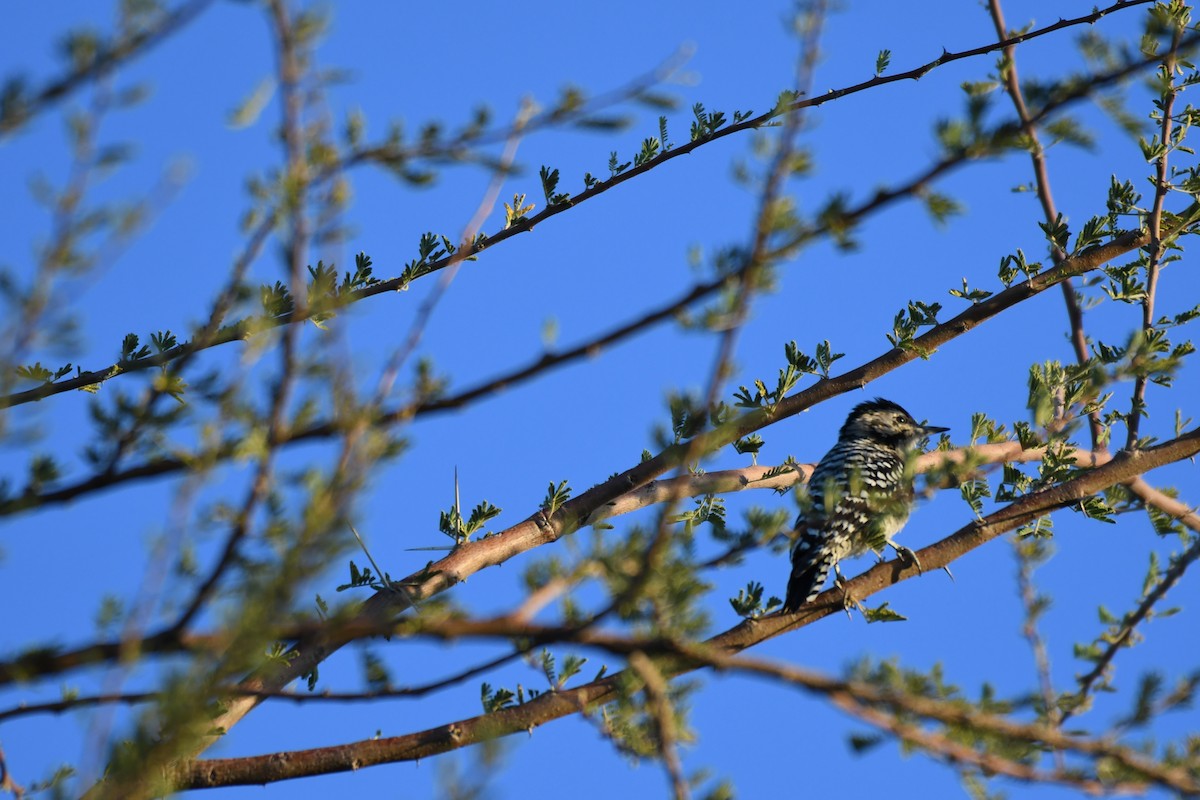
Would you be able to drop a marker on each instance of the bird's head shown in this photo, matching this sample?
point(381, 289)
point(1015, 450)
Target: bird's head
point(887, 423)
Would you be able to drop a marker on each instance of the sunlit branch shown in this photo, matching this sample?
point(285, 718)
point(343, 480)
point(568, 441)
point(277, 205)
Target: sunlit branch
point(327, 428)
point(553, 705)
point(44, 664)
point(1157, 248)
point(240, 330)
point(538, 530)
point(1041, 172)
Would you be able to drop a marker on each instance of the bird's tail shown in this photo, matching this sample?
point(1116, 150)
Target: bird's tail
point(810, 569)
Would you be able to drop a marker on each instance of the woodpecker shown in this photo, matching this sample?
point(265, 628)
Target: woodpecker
point(860, 496)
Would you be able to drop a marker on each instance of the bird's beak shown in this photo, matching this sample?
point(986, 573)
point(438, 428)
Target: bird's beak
point(931, 429)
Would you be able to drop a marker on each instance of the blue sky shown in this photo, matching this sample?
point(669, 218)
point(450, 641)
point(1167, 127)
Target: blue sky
point(602, 263)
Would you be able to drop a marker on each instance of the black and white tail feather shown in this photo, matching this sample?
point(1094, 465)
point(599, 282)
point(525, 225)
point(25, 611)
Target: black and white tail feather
point(811, 564)
point(860, 495)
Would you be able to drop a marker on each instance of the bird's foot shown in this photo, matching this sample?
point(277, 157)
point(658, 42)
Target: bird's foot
point(908, 556)
point(848, 600)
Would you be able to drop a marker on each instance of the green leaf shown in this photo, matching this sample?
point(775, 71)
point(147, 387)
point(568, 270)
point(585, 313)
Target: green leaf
point(571, 666)
point(1096, 508)
point(163, 341)
point(549, 184)
point(941, 207)
point(749, 444)
point(1056, 232)
point(973, 295)
point(479, 515)
point(748, 603)
point(130, 351)
point(862, 742)
point(555, 497)
point(494, 701)
point(826, 357)
point(35, 372)
point(614, 166)
point(547, 662)
point(516, 212)
point(248, 111)
point(973, 491)
point(650, 149)
point(882, 61)
point(883, 614)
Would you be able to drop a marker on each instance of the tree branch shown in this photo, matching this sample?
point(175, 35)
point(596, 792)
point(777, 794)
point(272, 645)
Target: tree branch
point(239, 330)
point(1041, 172)
point(545, 708)
point(1157, 247)
point(22, 109)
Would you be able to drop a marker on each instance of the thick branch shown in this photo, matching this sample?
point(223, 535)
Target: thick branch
point(539, 529)
point(224, 772)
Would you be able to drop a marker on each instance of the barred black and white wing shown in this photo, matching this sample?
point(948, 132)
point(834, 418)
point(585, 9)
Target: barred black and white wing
point(845, 516)
point(823, 541)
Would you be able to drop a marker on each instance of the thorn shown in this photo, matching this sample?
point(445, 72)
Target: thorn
point(948, 572)
point(397, 587)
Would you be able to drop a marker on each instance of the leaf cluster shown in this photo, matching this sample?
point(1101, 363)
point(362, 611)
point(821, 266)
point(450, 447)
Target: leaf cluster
point(798, 365)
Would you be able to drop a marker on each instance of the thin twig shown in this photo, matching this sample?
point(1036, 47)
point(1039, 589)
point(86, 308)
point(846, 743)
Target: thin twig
point(663, 713)
point(1116, 643)
point(1041, 172)
point(482, 211)
point(1157, 247)
point(1027, 553)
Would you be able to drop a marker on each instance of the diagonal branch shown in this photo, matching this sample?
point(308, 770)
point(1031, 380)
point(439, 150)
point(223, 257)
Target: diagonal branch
point(540, 529)
point(1169, 580)
point(550, 706)
point(238, 331)
point(40, 664)
point(322, 429)
point(22, 109)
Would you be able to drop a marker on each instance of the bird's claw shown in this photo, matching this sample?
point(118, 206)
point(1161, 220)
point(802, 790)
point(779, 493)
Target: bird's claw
point(848, 600)
point(909, 556)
